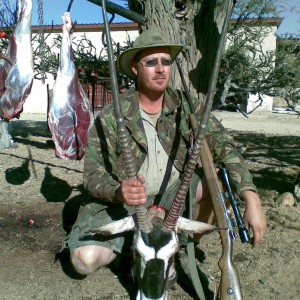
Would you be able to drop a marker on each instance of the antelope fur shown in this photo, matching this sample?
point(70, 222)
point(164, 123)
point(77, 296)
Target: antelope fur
point(128, 223)
point(154, 252)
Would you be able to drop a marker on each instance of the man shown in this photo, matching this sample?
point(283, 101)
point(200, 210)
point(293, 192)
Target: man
point(160, 140)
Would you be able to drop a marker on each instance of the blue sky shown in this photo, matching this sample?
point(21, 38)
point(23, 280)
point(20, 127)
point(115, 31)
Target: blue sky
point(84, 12)
point(291, 14)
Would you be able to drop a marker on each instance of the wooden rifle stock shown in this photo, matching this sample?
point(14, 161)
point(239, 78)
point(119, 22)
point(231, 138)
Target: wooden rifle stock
point(229, 288)
point(230, 284)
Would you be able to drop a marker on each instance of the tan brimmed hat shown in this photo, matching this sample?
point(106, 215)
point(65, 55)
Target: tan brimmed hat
point(148, 39)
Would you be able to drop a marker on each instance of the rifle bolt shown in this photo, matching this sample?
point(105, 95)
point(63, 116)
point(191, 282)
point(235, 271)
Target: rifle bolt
point(230, 291)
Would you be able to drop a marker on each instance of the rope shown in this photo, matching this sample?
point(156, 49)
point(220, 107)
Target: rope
point(70, 5)
point(104, 33)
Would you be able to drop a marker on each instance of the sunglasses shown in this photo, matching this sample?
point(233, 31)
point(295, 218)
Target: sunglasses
point(154, 62)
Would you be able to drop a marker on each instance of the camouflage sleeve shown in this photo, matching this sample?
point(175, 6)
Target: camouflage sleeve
point(98, 176)
point(224, 151)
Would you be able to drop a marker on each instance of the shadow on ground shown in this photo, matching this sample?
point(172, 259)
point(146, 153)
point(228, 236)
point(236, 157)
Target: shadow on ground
point(273, 156)
point(21, 130)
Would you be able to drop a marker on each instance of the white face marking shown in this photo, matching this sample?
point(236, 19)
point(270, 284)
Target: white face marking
point(145, 252)
point(168, 251)
point(164, 253)
point(141, 296)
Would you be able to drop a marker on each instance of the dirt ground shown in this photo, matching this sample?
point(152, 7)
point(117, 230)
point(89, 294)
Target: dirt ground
point(39, 202)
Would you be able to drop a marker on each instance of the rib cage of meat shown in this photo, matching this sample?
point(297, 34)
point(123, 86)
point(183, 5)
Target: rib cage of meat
point(69, 114)
point(16, 68)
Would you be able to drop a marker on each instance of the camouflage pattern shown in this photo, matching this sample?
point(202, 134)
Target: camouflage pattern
point(104, 167)
point(97, 213)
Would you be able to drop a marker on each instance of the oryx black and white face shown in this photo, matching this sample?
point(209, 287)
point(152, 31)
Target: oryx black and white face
point(154, 251)
point(154, 261)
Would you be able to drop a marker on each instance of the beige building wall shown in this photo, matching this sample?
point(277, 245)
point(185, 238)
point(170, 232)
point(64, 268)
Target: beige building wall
point(37, 101)
point(263, 103)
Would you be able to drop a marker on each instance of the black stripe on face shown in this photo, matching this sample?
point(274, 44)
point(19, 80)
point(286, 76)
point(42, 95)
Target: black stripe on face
point(153, 282)
point(157, 238)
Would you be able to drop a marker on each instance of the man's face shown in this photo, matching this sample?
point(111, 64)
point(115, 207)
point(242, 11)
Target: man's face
point(152, 69)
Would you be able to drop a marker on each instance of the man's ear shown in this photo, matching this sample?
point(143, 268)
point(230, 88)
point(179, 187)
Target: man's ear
point(133, 67)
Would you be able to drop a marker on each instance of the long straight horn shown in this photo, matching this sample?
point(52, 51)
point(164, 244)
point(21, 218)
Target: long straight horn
point(143, 218)
point(176, 208)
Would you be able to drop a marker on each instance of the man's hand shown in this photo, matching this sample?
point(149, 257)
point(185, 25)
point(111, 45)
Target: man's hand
point(132, 191)
point(254, 217)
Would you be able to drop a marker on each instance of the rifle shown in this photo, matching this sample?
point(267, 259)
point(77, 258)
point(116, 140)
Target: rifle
point(229, 285)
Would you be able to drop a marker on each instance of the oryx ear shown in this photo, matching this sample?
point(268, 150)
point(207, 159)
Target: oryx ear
point(194, 226)
point(115, 227)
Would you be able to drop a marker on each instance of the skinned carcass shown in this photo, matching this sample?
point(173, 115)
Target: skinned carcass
point(69, 116)
point(16, 66)
point(154, 250)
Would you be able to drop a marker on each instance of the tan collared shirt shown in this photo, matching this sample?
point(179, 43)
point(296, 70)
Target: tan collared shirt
point(157, 169)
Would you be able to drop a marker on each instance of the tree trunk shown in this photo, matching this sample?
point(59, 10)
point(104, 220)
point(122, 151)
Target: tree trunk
point(195, 24)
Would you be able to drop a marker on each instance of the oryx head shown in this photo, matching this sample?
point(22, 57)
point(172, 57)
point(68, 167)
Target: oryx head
point(154, 247)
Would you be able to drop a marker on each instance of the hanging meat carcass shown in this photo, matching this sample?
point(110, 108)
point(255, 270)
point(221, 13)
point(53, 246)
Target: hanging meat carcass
point(69, 115)
point(16, 66)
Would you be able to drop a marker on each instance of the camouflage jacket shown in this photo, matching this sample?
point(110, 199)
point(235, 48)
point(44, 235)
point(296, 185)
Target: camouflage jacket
point(103, 164)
